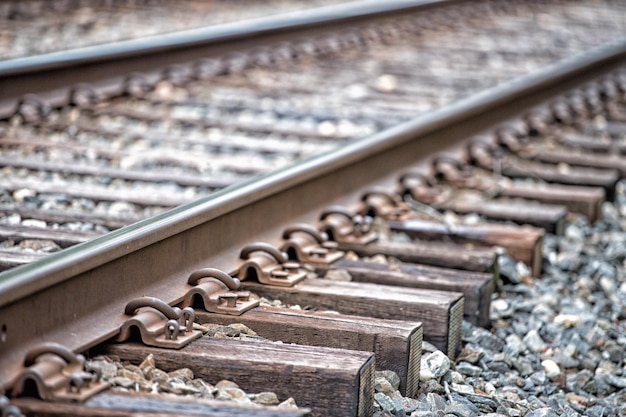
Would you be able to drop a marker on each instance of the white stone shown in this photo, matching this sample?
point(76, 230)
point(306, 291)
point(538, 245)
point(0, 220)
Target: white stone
point(34, 223)
point(569, 320)
point(288, 403)
point(337, 275)
point(20, 195)
point(462, 388)
point(500, 305)
point(434, 366)
point(387, 83)
point(534, 342)
point(490, 389)
point(551, 368)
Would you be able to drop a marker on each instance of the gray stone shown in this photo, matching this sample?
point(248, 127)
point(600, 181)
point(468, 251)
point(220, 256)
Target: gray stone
point(616, 381)
point(436, 402)
point(178, 386)
point(405, 404)
point(266, 398)
point(225, 383)
point(431, 386)
point(421, 413)
point(337, 275)
point(485, 339)
point(434, 366)
point(182, 373)
point(157, 375)
point(542, 412)
point(514, 345)
point(122, 381)
point(534, 342)
point(471, 355)
point(390, 376)
point(484, 403)
point(508, 269)
point(468, 369)
point(522, 365)
point(462, 388)
point(564, 360)
point(288, 403)
point(381, 384)
point(385, 402)
point(460, 410)
point(453, 377)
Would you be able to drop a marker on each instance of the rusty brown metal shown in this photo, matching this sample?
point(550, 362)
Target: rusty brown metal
point(343, 226)
point(105, 67)
point(159, 324)
point(216, 290)
point(384, 204)
point(306, 244)
point(269, 266)
point(58, 375)
point(156, 256)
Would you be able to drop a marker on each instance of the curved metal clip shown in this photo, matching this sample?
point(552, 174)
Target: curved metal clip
point(159, 324)
point(344, 227)
point(269, 265)
point(307, 244)
point(216, 289)
point(383, 204)
point(58, 374)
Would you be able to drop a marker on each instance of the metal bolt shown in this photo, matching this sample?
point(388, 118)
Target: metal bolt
point(230, 298)
point(279, 273)
point(318, 252)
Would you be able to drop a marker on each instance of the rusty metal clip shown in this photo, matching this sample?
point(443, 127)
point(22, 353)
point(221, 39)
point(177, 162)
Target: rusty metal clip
point(306, 244)
point(8, 410)
point(270, 266)
point(388, 206)
point(344, 227)
point(159, 324)
point(58, 374)
point(212, 287)
point(419, 187)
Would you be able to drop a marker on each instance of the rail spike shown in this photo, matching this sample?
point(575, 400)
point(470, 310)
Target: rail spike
point(269, 266)
point(58, 374)
point(217, 290)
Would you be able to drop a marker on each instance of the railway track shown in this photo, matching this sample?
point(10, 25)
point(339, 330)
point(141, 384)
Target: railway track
point(504, 134)
point(37, 27)
point(124, 159)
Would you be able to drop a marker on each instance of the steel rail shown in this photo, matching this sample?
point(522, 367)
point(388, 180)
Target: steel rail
point(77, 297)
point(51, 75)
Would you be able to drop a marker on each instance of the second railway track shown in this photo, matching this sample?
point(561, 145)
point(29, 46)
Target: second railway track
point(383, 205)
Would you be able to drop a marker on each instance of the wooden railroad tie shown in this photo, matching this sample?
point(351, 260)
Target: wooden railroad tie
point(396, 344)
point(109, 404)
point(476, 287)
point(334, 382)
point(440, 312)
